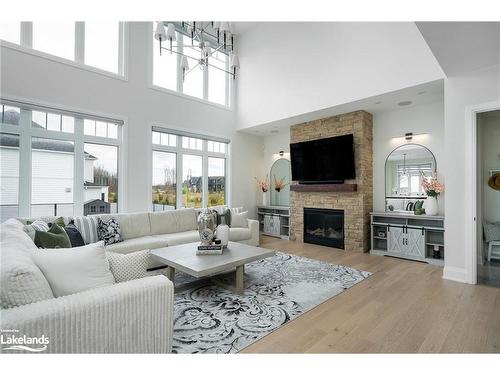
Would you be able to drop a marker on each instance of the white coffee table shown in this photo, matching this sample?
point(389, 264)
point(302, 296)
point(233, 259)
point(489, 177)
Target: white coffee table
point(183, 258)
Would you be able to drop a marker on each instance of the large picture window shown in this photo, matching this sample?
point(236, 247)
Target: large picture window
point(67, 172)
point(187, 171)
point(96, 44)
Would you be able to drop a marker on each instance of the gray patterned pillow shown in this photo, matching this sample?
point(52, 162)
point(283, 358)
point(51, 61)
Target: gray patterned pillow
point(109, 231)
point(125, 267)
point(492, 231)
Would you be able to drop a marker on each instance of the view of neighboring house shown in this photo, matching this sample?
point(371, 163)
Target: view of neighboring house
point(52, 176)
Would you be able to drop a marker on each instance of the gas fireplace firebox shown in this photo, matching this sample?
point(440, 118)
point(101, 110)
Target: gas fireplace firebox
point(324, 227)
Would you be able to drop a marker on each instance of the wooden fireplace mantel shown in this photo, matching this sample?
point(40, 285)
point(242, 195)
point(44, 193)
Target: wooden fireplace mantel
point(340, 188)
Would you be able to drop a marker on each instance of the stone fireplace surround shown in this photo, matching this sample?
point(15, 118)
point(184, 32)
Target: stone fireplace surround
point(356, 205)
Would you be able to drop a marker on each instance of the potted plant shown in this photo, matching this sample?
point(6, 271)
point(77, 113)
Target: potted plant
point(432, 188)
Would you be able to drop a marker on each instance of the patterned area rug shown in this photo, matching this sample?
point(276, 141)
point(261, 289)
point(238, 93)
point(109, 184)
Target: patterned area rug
point(210, 319)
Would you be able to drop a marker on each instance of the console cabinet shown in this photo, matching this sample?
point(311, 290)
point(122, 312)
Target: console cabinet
point(415, 237)
point(274, 221)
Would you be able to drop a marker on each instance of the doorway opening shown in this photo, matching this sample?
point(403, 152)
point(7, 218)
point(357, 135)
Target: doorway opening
point(488, 197)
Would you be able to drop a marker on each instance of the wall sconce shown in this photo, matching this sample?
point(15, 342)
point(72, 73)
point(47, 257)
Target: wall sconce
point(411, 137)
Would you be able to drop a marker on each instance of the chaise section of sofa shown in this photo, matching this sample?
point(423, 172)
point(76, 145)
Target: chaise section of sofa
point(130, 317)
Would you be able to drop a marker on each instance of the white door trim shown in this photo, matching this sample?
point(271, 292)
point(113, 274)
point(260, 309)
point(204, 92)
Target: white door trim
point(471, 113)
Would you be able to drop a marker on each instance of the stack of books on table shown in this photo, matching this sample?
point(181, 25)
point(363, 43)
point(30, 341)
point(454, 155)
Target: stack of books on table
point(209, 250)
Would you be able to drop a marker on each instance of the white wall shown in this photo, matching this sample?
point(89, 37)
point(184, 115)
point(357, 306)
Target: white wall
point(293, 68)
point(470, 89)
point(427, 120)
point(39, 79)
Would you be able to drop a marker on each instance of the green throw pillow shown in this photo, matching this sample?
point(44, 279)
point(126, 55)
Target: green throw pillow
point(226, 214)
point(55, 237)
point(59, 221)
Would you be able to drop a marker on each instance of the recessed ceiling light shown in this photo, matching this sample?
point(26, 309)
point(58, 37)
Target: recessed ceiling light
point(421, 93)
point(405, 102)
point(275, 131)
point(377, 103)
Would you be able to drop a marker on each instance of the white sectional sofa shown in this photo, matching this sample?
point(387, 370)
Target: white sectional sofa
point(130, 317)
point(151, 230)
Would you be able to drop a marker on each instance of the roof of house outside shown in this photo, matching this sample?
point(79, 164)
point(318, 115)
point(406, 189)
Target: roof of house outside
point(11, 140)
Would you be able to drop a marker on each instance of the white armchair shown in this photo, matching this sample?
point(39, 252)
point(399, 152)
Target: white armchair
point(130, 317)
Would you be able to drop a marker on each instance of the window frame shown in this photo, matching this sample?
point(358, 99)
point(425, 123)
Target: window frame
point(180, 151)
point(26, 133)
point(229, 82)
point(26, 46)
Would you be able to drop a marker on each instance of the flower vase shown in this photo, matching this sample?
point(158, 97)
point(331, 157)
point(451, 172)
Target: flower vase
point(222, 232)
point(431, 206)
point(264, 198)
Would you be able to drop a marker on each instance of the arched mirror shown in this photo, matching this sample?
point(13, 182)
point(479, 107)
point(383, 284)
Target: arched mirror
point(280, 182)
point(405, 168)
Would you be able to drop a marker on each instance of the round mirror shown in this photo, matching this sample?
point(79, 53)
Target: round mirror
point(405, 169)
point(280, 182)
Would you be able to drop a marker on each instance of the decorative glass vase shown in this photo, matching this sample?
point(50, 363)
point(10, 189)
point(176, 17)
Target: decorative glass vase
point(207, 221)
point(264, 198)
point(431, 206)
point(222, 232)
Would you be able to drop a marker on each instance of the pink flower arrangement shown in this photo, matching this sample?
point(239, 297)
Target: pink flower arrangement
point(263, 184)
point(432, 186)
point(279, 184)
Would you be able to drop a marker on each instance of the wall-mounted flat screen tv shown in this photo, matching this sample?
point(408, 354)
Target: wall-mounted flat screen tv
point(326, 160)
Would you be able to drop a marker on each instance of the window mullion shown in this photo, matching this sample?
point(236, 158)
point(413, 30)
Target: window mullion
point(178, 195)
point(24, 198)
point(205, 83)
point(204, 173)
point(79, 169)
point(228, 83)
point(26, 39)
point(80, 42)
point(180, 48)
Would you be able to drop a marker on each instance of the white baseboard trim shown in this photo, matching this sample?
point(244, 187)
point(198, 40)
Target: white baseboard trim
point(455, 274)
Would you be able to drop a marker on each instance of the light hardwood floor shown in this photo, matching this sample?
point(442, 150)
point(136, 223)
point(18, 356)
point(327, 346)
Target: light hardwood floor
point(404, 307)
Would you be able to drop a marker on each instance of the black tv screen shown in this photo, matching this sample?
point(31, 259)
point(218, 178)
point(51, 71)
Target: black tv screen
point(327, 160)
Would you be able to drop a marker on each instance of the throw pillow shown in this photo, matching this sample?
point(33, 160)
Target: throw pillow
point(87, 226)
point(74, 270)
point(226, 214)
point(59, 221)
point(21, 281)
point(236, 210)
point(74, 235)
point(125, 267)
point(54, 238)
point(37, 225)
point(109, 231)
point(239, 220)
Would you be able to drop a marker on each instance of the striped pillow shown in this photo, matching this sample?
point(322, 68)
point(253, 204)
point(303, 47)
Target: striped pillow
point(39, 225)
point(87, 226)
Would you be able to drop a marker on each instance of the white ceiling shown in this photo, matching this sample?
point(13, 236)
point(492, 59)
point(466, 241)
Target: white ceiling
point(462, 47)
point(421, 94)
